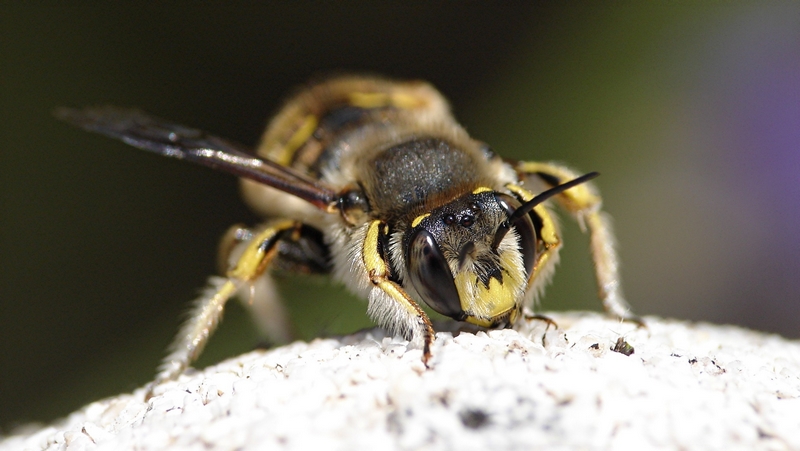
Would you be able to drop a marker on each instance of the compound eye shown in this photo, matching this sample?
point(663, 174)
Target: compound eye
point(430, 275)
point(525, 230)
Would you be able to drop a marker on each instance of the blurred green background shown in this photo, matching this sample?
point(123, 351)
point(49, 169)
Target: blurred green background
point(690, 111)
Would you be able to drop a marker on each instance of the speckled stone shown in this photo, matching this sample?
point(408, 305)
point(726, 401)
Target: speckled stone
point(685, 386)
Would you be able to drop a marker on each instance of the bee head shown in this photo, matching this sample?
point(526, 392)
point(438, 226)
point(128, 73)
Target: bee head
point(471, 258)
point(462, 268)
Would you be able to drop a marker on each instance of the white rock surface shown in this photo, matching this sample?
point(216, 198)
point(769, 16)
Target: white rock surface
point(686, 386)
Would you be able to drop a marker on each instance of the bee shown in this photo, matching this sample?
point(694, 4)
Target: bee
point(374, 182)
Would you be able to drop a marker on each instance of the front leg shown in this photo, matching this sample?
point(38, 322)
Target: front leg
point(389, 304)
point(584, 202)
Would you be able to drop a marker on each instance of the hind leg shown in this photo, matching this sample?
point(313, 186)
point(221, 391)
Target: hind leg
point(250, 260)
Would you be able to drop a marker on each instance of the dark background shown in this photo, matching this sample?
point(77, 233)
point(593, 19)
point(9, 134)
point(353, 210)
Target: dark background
point(690, 112)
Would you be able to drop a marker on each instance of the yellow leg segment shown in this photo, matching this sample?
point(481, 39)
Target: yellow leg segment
point(389, 304)
point(584, 202)
point(550, 241)
point(207, 310)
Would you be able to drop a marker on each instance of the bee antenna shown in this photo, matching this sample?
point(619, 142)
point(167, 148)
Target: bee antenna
point(538, 199)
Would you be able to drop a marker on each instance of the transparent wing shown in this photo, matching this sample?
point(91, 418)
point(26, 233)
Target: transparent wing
point(153, 134)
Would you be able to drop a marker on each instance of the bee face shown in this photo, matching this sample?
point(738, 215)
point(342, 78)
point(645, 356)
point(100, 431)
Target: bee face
point(374, 182)
point(459, 268)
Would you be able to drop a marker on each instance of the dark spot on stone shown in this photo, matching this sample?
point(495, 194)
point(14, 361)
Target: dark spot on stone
point(474, 418)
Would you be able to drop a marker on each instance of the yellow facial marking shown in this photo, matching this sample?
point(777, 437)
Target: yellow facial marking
point(481, 189)
point(483, 303)
point(478, 321)
point(419, 219)
point(499, 296)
